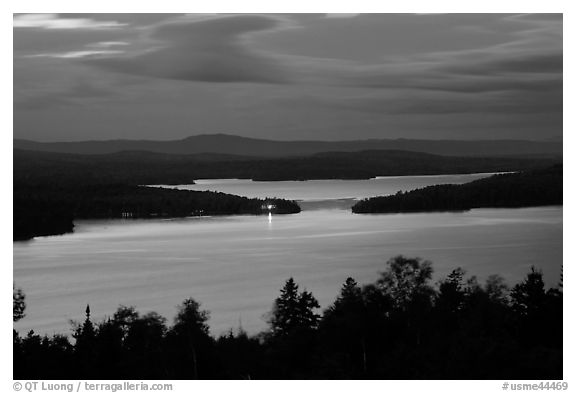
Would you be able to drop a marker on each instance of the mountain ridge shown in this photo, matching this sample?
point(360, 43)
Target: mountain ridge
point(243, 146)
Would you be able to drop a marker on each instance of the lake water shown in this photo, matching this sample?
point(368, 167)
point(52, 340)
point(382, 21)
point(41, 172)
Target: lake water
point(236, 265)
point(322, 190)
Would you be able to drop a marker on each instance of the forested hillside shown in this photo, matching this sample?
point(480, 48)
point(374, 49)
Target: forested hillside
point(528, 188)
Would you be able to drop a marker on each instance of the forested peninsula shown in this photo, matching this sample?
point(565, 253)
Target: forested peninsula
point(42, 211)
point(53, 189)
point(539, 187)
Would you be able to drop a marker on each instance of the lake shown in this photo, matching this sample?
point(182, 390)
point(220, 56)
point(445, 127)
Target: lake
point(326, 190)
point(235, 265)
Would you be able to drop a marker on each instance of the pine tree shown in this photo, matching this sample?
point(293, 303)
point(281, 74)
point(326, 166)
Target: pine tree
point(350, 290)
point(451, 293)
point(285, 313)
point(85, 347)
point(293, 310)
point(348, 301)
point(85, 334)
point(539, 312)
point(307, 303)
point(528, 297)
point(345, 323)
point(191, 318)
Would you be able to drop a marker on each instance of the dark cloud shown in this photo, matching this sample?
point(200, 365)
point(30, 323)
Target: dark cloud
point(205, 50)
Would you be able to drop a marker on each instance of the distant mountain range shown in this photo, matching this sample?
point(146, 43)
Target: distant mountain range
point(222, 144)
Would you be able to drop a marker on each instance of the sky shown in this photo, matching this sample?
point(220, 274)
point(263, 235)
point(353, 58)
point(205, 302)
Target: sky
point(287, 77)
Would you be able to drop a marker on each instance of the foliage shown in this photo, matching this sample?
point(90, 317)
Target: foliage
point(18, 304)
point(399, 327)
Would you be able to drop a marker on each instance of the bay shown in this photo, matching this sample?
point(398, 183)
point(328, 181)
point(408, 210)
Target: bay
point(235, 265)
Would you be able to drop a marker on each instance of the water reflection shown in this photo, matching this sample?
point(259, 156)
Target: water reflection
point(226, 265)
point(235, 267)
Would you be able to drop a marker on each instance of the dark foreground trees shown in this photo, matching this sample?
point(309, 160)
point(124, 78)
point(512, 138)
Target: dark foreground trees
point(402, 326)
point(293, 311)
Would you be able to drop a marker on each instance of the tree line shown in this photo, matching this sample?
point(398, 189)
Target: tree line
point(401, 326)
point(538, 187)
point(41, 210)
point(53, 189)
point(138, 168)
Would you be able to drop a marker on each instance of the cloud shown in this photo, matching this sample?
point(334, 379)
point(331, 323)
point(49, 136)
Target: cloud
point(341, 15)
point(528, 57)
point(217, 48)
point(521, 74)
point(107, 44)
point(418, 102)
point(535, 63)
point(54, 21)
point(34, 41)
point(77, 54)
point(440, 78)
point(512, 66)
point(131, 19)
point(207, 49)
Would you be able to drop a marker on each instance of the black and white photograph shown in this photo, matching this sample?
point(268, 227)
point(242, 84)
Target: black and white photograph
point(288, 196)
